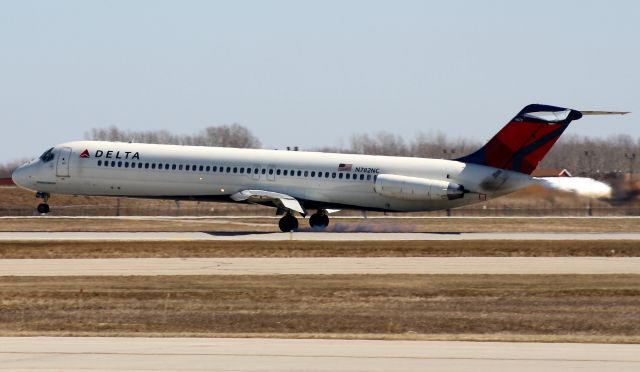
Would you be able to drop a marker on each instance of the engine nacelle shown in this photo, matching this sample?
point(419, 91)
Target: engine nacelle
point(414, 188)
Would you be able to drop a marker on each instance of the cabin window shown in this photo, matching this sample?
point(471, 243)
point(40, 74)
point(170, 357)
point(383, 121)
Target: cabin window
point(270, 171)
point(264, 171)
point(361, 177)
point(319, 174)
point(179, 166)
point(166, 166)
point(235, 169)
point(173, 167)
point(228, 169)
point(368, 177)
point(201, 168)
point(348, 176)
point(160, 166)
point(126, 164)
point(333, 175)
point(313, 174)
point(278, 172)
point(284, 172)
point(119, 164)
point(194, 168)
point(326, 174)
point(106, 163)
point(207, 168)
point(241, 170)
point(299, 173)
point(340, 175)
point(255, 171)
point(99, 162)
point(306, 173)
point(214, 169)
point(153, 165)
point(133, 164)
point(146, 165)
point(186, 167)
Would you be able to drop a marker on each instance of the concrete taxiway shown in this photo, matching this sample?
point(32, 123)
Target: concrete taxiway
point(319, 266)
point(226, 354)
point(304, 236)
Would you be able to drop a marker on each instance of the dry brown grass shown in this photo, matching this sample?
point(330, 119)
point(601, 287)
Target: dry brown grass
point(437, 224)
point(588, 308)
point(450, 248)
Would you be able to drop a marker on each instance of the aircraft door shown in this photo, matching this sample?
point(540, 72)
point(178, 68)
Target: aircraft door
point(62, 166)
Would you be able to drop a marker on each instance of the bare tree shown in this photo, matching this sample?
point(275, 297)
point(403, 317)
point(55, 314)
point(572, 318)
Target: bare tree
point(7, 169)
point(234, 135)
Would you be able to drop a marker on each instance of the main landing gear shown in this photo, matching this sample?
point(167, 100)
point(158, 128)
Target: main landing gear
point(288, 223)
point(43, 208)
point(319, 220)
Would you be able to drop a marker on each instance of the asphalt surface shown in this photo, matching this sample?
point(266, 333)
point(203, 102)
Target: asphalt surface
point(227, 354)
point(302, 236)
point(319, 266)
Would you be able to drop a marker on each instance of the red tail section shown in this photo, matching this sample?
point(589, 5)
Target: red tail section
point(525, 140)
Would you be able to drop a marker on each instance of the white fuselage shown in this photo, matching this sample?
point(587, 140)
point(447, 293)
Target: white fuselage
point(317, 180)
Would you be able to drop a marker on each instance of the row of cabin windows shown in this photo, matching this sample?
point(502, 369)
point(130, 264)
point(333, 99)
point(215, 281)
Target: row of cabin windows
point(240, 170)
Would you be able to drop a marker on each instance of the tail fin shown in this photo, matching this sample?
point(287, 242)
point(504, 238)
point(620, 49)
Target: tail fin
point(525, 140)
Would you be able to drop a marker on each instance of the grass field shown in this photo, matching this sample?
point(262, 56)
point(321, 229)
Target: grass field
point(555, 308)
point(588, 308)
point(449, 248)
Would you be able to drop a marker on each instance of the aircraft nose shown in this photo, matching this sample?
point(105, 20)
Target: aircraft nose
point(20, 176)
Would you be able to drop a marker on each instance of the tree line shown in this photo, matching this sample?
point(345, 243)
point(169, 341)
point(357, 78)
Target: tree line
point(581, 155)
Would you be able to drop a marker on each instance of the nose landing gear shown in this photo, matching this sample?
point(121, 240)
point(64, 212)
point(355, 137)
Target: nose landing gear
point(43, 208)
point(319, 220)
point(288, 223)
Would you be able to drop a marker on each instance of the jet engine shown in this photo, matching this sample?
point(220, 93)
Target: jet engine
point(415, 188)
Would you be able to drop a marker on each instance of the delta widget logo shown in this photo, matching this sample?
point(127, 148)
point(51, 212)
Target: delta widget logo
point(85, 154)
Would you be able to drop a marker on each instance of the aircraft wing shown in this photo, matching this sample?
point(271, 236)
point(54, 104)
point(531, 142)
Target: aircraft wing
point(282, 201)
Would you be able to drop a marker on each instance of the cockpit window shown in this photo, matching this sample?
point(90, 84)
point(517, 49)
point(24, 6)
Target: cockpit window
point(47, 156)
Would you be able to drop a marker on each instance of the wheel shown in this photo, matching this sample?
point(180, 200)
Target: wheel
point(319, 221)
point(43, 208)
point(314, 221)
point(288, 223)
point(325, 221)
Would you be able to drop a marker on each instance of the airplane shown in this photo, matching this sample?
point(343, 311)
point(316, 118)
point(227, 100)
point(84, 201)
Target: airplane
point(299, 182)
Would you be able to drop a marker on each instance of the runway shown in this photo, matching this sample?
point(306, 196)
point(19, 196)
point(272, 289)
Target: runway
point(228, 354)
point(320, 266)
point(307, 236)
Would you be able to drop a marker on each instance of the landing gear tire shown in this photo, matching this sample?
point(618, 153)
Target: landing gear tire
point(288, 223)
point(319, 221)
point(43, 208)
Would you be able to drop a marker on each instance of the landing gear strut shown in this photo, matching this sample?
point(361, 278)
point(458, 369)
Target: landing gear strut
point(43, 208)
point(319, 220)
point(288, 223)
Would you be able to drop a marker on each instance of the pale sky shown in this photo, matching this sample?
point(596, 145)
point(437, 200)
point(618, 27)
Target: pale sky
point(310, 73)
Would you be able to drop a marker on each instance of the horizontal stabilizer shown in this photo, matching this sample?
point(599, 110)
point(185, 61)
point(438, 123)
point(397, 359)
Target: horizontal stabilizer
point(605, 112)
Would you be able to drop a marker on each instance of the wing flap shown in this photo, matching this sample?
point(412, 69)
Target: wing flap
point(283, 201)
